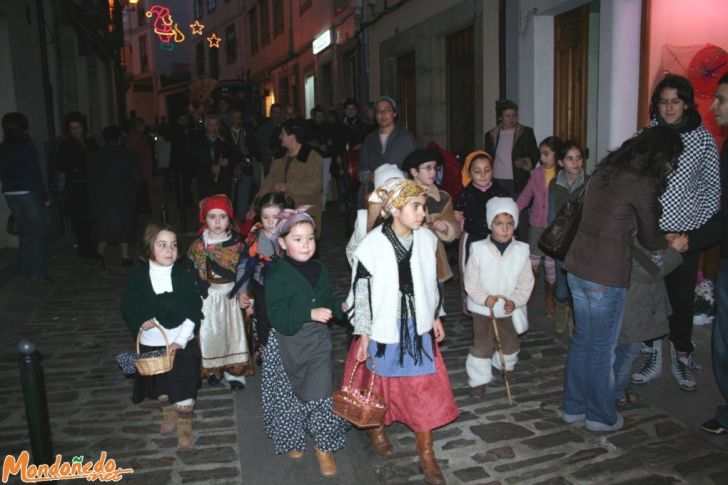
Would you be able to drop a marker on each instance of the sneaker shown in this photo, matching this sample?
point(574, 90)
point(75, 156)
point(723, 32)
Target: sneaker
point(651, 363)
point(714, 427)
point(693, 365)
point(681, 371)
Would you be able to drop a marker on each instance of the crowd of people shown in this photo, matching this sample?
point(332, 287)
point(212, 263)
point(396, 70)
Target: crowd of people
point(252, 289)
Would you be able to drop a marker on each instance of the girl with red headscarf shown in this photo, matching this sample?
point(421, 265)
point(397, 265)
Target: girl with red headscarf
point(215, 255)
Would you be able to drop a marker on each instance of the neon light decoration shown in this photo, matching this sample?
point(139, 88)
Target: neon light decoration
point(197, 28)
point(165, 27)
point(214, 41)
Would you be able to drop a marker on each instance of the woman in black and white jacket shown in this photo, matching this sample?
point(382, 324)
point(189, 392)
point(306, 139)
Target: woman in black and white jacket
point(690, 205)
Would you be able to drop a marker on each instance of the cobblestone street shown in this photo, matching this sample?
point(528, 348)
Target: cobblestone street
point(77, 326)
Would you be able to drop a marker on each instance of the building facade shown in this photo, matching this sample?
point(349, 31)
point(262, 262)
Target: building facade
point(157, 73)
point(303, 52)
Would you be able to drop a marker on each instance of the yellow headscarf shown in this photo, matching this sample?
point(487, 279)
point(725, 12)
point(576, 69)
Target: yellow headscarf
point(465, 172)
point(395, 193)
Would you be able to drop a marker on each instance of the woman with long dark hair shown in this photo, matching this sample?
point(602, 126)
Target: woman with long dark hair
point(690, 205)
point(25, 192)
point(621, 199)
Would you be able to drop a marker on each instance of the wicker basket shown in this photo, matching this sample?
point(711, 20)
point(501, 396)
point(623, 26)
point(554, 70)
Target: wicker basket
point(361, 407)
point(151, 366)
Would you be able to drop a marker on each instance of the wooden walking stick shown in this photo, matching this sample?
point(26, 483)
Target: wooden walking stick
point(500, 351)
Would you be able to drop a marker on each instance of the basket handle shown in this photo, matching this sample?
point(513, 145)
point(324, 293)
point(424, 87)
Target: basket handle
point(371, 380)
point(164, 336)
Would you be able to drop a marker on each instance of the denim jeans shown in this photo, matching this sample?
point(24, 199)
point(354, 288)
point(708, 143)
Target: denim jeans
point(33, 250)
point(624, 357)
point(561, 292)
point(589, 377)
point(720, 340)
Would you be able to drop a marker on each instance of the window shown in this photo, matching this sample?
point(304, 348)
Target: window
point(253, 19)
point(143, 59)
point(264, 23)
point(200, 58)
point(198, 9)
point(211, 5)
point(231, 46)
point(277, 17)
point(141, 14)
point(303, 6)
point(214, 63)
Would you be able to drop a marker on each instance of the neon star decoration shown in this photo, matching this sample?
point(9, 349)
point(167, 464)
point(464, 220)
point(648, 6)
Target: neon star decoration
point(165, 27)
point(197, 28)
point(214, 41)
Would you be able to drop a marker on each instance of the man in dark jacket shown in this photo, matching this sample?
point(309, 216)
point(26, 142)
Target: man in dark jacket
point(513, 148)
point(209, 155)
point(179, 160)
point(719, 423)
point(240, 139)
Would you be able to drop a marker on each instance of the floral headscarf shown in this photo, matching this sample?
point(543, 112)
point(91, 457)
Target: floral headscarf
point(395, 193)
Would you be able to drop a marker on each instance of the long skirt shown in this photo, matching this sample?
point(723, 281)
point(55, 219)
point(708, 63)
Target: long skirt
point(287, 419)
point(180, 384)
point(422, 403)
point(223, 342)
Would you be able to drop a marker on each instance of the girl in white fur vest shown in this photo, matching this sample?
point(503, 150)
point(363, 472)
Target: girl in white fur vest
point(498, 279)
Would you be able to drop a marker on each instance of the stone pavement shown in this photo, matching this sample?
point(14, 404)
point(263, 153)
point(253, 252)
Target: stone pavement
point(77, 327)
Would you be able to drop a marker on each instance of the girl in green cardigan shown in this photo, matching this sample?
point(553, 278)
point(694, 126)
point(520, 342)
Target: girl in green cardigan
point(161, 300)
point(297, 373)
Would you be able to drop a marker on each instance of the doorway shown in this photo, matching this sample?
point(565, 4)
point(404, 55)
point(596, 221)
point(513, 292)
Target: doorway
point(460, 91)
point(571, 73)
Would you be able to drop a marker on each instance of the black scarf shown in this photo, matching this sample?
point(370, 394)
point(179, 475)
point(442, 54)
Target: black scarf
point(690, 121)
point(407, 300)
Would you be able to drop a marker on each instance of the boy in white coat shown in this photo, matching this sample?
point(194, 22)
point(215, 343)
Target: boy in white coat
point(498, 279)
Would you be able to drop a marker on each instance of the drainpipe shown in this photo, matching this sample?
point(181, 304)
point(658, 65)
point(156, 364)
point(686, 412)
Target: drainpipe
point(47, 85)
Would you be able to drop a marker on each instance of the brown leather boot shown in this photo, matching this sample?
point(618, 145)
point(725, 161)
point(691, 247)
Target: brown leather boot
point(184, 430)
point(428, 464)
point(379, 440)
point(169, 419)
point(550, 302)
point(327, 465)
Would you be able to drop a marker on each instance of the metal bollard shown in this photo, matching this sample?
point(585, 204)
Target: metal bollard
point(36, 405)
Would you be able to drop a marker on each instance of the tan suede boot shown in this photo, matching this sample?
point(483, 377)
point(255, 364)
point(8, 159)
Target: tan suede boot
point(327, 465)
point(428, 464)
point(184, 427)
point(379, 440)
point(169, 419)
point(550, 302)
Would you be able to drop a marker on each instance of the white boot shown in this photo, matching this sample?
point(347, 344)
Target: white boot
point(478, 370)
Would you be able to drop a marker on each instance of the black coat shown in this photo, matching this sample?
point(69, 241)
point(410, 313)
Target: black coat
point(114, 178)
point(203, 154)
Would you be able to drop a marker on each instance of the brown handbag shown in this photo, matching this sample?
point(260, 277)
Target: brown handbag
point(556, 239)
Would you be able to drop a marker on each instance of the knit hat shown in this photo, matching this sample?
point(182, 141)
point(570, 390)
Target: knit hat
point(289, 218)
point(386, 172)
point(219, 201)
point(501, 205)
point(420, 156)
point(388, 99)
point(465, 172)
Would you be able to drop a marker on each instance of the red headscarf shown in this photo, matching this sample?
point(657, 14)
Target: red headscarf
point(219, 201)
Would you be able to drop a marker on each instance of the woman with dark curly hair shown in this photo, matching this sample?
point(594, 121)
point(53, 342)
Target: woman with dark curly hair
point(621, 199)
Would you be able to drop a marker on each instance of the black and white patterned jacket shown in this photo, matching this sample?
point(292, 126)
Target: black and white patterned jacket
point(693, 190)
